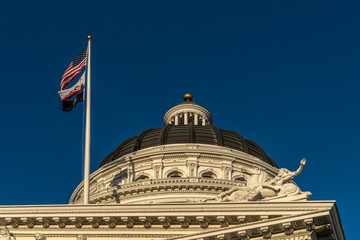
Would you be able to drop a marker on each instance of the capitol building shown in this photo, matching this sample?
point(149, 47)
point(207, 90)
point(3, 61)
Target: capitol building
point(188, 180)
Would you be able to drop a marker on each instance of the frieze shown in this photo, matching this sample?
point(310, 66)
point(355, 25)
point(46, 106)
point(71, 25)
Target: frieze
point(202, 222)
point(193, 146)
point(104, 235)
point(300, 236)
point(321, 219)
point(204, 155)
point(171, 155)
point(203, 208)
point(142, 160)
point(81, 237)
point(39, 236)
point(254, 230)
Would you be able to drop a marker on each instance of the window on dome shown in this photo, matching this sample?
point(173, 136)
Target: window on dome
point(142, 177)
point(181, 120)
point(240, 179)
point(175, 174)
point(208, 175)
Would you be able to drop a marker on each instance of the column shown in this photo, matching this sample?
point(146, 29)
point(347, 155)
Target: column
point(176, 119)
point(186, 118)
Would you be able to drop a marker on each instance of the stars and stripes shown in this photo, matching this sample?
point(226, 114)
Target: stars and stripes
point(70, 74)
point(73, 70)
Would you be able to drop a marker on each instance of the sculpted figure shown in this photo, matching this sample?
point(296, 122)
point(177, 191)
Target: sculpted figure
point(257, 189)
point(240, 193)
point(284, 176)
point(5, 234)
point(81, 237)
point(278, 183)
point(39, 236)
point(257, 177)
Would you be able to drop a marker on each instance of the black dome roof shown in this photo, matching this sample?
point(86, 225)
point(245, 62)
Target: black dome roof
point(172, 134)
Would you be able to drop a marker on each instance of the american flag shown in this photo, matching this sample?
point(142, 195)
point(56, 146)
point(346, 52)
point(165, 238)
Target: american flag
point(73, 70)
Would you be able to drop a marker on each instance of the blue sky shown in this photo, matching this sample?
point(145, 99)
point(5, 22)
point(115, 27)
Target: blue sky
point(284, 74)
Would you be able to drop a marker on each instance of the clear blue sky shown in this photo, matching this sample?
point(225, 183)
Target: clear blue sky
point(284, 74)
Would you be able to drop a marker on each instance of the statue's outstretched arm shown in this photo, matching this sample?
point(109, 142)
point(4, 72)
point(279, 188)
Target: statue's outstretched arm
point(291, 175)
point(299, 170)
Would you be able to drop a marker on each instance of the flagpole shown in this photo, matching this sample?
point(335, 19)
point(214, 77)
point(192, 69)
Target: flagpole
point(87, 128)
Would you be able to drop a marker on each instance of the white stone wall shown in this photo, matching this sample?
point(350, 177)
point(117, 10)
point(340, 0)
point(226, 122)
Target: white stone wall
point(156, 174)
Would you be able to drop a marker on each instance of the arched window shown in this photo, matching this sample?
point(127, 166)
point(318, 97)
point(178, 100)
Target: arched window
point(208, 174)
point(142, 177)
point(175, 174)
point(240, 179)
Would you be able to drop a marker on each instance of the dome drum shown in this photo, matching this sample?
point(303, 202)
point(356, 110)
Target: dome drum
point(157, 174)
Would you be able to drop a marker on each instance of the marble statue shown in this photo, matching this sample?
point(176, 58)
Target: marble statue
point(5, 234)
point(240, 193)
point(284, 176)
point(258, 189)
point(39, 236)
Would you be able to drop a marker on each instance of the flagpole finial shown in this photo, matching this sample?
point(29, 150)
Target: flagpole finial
point(89, 38)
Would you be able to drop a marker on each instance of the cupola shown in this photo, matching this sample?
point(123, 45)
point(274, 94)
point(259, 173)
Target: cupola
point(188, 112)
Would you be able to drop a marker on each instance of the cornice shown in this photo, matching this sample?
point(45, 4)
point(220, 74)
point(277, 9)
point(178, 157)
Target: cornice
point(182, 221)
point(210, 208)
point(286, 225)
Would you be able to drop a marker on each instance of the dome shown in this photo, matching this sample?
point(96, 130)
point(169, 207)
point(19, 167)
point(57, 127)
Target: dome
point(188, 123)
point(188, 160)
point(190, 133)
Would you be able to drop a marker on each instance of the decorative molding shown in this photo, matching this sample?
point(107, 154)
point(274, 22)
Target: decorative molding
point(5, 234)
point(288, 228)
point(107, 177)
point(202, 223)
point(29, 222)
point(81, 237)
point(61, 222)
point(111, 222)
point(14, 222)
point(265, 232)
point(39, 236)
point(45, 222)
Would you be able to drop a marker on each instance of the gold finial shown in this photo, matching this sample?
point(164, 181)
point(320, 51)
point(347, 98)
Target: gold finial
point(188, 97)
point(89, 38)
